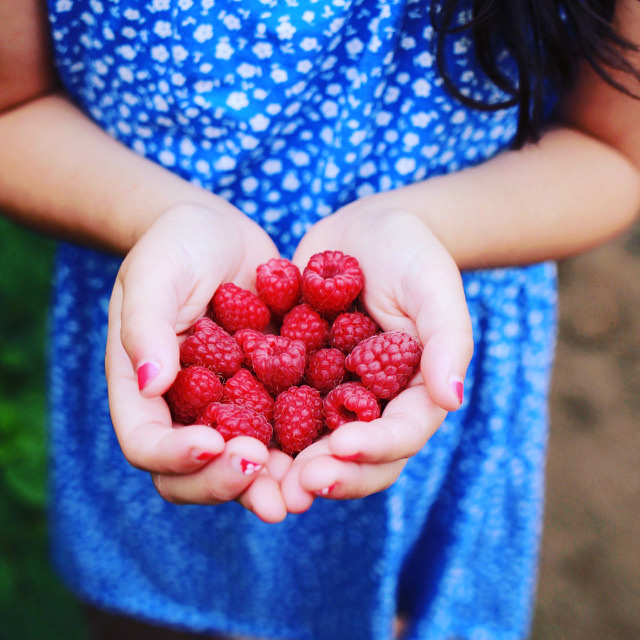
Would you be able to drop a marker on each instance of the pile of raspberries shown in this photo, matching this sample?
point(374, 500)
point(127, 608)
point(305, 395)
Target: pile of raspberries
point(299, 358)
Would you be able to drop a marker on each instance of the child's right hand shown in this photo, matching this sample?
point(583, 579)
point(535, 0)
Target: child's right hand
point(163, 286)
point(412, 284)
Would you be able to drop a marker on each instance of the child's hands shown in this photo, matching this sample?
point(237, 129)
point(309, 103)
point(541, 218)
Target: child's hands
point(163, 286)
point(412, 284)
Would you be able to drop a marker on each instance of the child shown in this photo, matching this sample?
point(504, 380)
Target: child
point(200, 139)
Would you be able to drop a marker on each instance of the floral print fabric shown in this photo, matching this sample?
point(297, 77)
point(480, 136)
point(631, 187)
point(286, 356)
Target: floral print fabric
point(291, 110)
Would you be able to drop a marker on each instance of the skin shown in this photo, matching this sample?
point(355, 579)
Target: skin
point(578, 187)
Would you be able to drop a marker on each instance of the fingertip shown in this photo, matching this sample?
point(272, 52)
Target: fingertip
point(457, 385)
point(296, 498)
point(162, 449)
point(279, 464)
point(346, 442)
point(155, 356)
point(205, 443)
point(319, 477)
point(190, 448)
point(327, 491)
point(272, 515)
point(247, 455)
point(445, 392)
point(264, 499)
point(146, 372)
point(445, 359)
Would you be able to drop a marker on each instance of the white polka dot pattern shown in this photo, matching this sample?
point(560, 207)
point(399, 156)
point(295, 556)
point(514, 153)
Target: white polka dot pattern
point(291, 109)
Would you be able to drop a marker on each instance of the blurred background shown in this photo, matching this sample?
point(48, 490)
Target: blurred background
point(589, 586)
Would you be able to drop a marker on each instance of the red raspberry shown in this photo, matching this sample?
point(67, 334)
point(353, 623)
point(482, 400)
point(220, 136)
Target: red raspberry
point(235, 308)
point(349, 402)
point(350, 328)
point(304, 324)
point(232, 420)
point(248, 339)
point(325, 369)
point(279, 284)
point(385, 362)
point(209, 345)
point(331, 281)
point(246, 391)
point(279, 362)
point(298, 418)
point(192, 390)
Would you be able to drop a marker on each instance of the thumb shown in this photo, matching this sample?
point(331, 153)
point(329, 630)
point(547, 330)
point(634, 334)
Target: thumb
point(445, 358)
point(444, 327)
point(143, 314)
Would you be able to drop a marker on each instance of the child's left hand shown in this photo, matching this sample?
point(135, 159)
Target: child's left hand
point(412, 284)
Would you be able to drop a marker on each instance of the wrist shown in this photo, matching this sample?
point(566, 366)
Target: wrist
point(173, 199)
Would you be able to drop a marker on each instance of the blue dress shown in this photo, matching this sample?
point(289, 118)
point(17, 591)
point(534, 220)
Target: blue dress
point(290, 109)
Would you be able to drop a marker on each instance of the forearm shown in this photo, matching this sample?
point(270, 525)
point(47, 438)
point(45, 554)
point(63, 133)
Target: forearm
point(61, 174)
point(559, 197)
point(578, 187)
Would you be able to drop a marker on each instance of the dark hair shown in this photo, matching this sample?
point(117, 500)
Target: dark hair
point(545, 39)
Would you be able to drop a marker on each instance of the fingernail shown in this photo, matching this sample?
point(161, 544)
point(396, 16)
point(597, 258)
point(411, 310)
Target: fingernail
point(352, 458)
point(458, 387)
point(147, 371)
point(244, 466)
point(325, 491)
point(204, 455)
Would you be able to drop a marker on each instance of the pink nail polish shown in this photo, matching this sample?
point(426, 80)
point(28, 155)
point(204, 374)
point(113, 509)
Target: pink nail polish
point(205, 455)
point(147, 371)
point(244, 466)
point(458, 387)
point(325, 491)
point(352, 458)
point(249, 467)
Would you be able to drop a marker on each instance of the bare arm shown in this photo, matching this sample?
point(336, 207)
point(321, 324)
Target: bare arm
point(578, 187)
point(564, 195)
point(59, 172)
point(25, 63)
point(70, 179)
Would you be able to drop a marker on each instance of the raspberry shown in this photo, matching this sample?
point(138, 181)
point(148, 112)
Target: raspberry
point(298, 418)
point(248, 339)
point(304, 324)
point(385, 362)
point(235, 308)
point(209, 345)
point(348, 402)
point(331, 281)
point(350, 328)
point(279, 362)
point(232, 420)
point(279, 284)
point(325, 369)
point(192, 390)
point(246, 391)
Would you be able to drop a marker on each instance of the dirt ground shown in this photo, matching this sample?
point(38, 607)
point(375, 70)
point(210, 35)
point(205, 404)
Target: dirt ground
point(589, 586)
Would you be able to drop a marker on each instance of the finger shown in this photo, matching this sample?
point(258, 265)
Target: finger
point(298, 499)
point(279, 463)
point(444, 328)
point(407, 423)
point(143, 425)
point(328, 477)
point(223, 479)
point(264, 498)
point(445, 358)
point(143, 313)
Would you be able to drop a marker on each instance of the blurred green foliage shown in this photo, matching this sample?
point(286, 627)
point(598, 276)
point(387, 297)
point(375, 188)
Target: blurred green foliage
point(33, 603)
